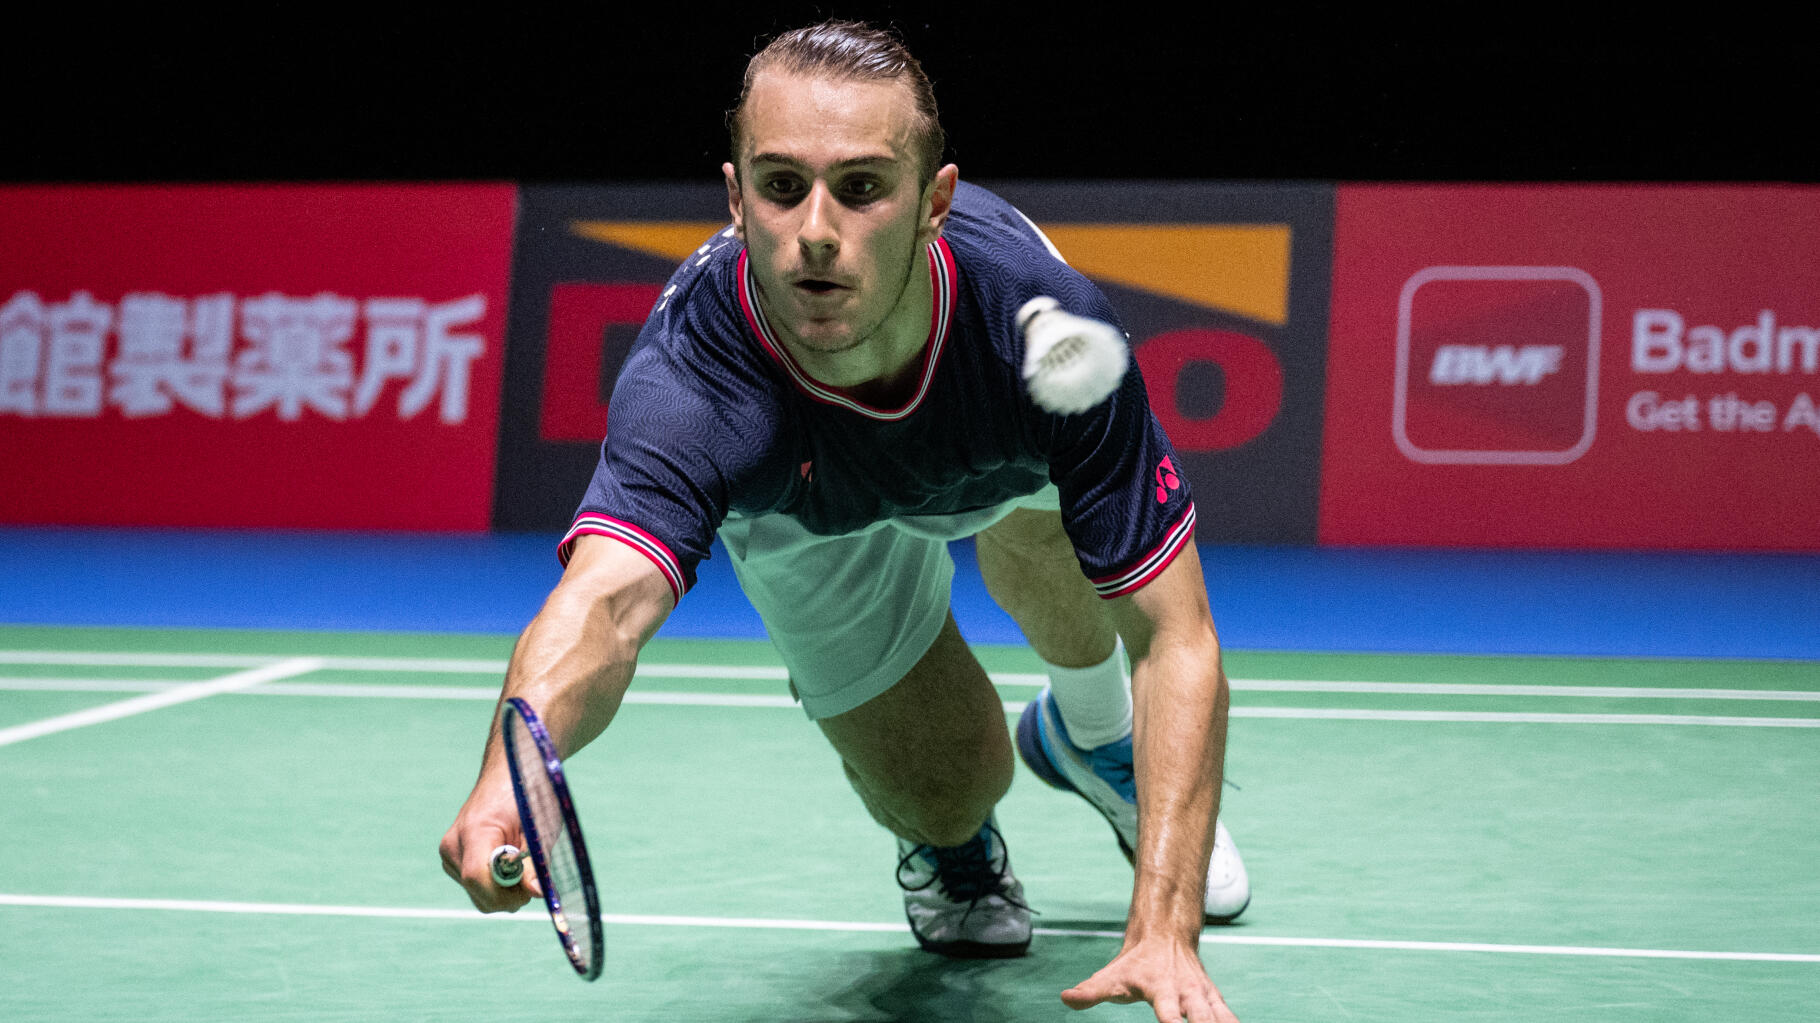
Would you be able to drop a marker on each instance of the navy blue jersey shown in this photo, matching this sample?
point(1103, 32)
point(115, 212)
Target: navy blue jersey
point(711, 416)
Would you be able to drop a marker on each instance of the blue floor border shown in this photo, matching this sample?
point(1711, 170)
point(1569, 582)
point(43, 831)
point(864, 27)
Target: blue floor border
point(1631, 604)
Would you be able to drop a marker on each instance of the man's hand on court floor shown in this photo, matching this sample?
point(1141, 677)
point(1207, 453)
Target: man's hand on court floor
point(1163, 972)
point(488, 820)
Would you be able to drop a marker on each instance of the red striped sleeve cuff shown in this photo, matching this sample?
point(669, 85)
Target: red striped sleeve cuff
point(1152, 563)
point(632, 536)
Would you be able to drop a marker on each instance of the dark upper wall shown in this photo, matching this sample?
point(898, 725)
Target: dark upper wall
point(291, 91)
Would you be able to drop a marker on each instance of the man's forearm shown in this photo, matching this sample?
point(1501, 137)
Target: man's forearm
point(1180, 707)
point(575, 661)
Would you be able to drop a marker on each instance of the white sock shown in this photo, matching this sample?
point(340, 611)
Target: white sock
point(1095, 701)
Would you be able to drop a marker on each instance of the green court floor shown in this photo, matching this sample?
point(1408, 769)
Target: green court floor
point(1429, 838)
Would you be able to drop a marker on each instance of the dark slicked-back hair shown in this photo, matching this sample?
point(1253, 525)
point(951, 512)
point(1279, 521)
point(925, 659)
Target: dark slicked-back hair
point(848, 49)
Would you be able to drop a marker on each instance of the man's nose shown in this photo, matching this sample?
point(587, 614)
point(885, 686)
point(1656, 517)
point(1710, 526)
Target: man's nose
point(819, 233)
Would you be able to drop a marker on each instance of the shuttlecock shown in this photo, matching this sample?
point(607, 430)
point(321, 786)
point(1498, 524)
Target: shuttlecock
point(1071, 363)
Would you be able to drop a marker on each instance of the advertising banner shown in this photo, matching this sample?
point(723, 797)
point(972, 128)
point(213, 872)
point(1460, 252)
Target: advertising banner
point(273, 356)
point(1223, 289)
point(589, 264)
point(1574, 366)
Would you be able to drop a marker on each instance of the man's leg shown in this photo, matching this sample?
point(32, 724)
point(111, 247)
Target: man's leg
point(930, 757)
point(861, 622)
point(1077, 734)
point(1029, 567)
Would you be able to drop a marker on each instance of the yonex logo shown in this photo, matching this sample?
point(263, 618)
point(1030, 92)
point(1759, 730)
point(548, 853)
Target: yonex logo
point(1166, 480)
point(1488, 364)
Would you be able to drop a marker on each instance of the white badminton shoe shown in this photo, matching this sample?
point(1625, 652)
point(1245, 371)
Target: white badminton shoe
point(963, 901)
point(1106, 777)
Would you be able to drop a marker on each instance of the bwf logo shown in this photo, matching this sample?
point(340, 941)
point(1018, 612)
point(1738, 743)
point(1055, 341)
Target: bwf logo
point(1497, 365)
point(1484, 364)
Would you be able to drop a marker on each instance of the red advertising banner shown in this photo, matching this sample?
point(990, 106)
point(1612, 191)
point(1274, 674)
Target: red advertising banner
point(315, 356)
point(1574, 366)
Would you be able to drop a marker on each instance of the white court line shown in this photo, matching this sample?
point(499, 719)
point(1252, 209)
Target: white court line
point(764, 923)
point(142, 660)
point(154, 701)
point(489, 694)
point(130, 685)
point(764, 672)
point(1418, 689)
point(86, 685)
point(1519, 717)
point(1275, 685)
point(776, 673)
point(781, 701)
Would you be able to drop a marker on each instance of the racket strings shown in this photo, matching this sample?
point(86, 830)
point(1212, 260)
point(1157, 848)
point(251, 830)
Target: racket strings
point(564, 887)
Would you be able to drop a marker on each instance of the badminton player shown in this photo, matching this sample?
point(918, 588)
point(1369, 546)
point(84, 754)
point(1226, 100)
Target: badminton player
point(833, 387)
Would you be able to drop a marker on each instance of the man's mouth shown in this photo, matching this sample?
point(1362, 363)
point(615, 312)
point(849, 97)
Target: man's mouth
point(816, 286)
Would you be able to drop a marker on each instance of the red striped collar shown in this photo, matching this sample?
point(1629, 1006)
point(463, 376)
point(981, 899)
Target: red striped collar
point(942, 274)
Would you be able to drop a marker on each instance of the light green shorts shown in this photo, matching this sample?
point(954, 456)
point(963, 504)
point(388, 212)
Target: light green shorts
point(852, 614)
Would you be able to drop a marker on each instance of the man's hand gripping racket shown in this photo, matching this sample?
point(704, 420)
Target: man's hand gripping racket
point(553, 844)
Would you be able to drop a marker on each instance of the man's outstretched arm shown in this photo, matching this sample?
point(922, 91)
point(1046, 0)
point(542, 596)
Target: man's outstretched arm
point(1180, 700)
point(572, 665)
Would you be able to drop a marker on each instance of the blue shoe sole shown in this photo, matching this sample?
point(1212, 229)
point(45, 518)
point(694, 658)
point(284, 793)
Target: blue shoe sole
point(1030, 748)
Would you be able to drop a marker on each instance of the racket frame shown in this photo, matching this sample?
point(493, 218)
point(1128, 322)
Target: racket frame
point(552, 765)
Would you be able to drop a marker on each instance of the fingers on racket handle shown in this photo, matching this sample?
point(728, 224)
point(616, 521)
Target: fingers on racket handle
point(508, 866)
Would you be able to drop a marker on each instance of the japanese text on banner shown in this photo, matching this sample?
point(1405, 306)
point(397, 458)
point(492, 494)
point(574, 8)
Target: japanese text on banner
point(222, 355)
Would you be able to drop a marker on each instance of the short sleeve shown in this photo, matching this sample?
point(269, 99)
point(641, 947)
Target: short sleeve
point(1126, 504)
point(661, 484)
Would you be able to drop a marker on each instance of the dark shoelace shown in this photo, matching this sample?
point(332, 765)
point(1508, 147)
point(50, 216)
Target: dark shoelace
point(967, 873)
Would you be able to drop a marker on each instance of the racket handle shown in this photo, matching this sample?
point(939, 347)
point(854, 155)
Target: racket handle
point(508, 866)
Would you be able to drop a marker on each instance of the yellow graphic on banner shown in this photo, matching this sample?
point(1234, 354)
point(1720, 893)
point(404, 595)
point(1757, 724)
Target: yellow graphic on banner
point(672, 239)
point(1236, 268)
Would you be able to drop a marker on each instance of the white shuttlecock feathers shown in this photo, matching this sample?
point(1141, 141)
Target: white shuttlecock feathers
point(1071, 363)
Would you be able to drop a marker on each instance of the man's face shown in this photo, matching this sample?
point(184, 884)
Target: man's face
point(829, 204)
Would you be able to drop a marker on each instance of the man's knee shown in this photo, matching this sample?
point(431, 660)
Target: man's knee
point(941, 808)
point(930, 756)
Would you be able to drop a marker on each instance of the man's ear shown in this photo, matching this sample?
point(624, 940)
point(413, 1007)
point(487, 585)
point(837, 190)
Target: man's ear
point(938, 200)
point(734, 206)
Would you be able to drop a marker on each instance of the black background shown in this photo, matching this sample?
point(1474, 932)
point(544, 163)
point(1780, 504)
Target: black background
point(555, 93)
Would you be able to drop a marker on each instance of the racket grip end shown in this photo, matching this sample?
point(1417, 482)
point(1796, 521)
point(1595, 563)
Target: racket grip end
point(508, 866)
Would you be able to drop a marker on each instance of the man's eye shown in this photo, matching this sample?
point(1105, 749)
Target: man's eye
point(783, 188)
point(861, 189)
